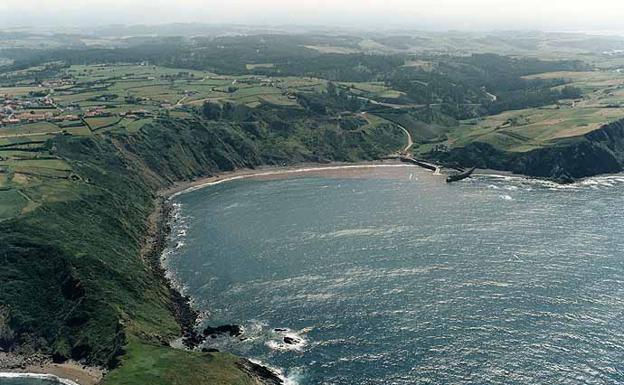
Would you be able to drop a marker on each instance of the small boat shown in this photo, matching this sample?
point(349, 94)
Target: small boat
point(460, 176)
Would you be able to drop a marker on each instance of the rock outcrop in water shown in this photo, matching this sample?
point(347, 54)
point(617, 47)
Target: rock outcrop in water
point(232, 330)
point(598, 152)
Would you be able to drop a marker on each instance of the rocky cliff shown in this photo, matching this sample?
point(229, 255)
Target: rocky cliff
point(598, 152)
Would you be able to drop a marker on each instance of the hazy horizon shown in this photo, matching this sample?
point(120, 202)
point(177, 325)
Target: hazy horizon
point(555, 15)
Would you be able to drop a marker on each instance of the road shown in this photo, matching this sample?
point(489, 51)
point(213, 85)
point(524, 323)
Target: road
point(410, 141)
point(390, 105)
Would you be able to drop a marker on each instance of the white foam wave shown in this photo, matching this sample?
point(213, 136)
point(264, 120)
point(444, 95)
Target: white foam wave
point(514, 182)
point(176, 243)
point(366, 231)
point(49, 377)
point(297, 341)
point(292, 378)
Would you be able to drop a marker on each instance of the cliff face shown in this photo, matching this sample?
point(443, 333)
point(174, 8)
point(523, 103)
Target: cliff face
point(598, 152)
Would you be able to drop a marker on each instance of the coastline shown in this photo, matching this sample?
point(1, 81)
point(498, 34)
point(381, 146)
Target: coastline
point(187, 317)
point(343, 169)
point(69, 373)
point(50, 377)
point(159, 226)
point(154, 244)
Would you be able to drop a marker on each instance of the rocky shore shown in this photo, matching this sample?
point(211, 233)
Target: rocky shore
point(159, 230)
point(187, 317)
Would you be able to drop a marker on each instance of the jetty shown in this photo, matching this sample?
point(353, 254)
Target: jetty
point(418, 162)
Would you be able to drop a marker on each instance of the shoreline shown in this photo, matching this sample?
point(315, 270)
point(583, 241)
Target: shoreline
point(273, 172)
point(155, 243)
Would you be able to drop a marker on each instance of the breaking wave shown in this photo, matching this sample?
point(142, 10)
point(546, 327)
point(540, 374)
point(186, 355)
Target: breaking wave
point(45, 377)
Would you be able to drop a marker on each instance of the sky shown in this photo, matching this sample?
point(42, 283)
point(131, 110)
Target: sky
point(547, 15)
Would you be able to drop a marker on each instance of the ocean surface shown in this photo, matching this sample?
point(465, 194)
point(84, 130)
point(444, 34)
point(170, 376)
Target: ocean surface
point(392, 276)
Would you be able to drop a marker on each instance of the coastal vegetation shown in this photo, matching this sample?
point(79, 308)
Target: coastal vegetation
point(75, 214)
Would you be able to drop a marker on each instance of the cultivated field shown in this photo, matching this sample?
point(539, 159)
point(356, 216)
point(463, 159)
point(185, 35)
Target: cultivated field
point(527, 129)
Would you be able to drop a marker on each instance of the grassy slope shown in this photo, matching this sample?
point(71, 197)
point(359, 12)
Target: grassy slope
point(158, 365)
point(73, 284)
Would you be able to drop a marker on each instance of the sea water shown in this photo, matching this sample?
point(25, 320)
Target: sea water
point(399, 278)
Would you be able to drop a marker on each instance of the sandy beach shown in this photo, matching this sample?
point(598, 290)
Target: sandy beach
point(336, 170)
point(72, 371)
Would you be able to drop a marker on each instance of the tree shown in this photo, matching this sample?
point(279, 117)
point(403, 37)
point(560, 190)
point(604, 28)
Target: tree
point(212, 111)
point(571, 92)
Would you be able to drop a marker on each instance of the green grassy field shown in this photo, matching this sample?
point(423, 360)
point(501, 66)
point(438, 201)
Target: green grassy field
point(528, 129)
point(152, 86)
point(17, 91)
point(156, 86)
